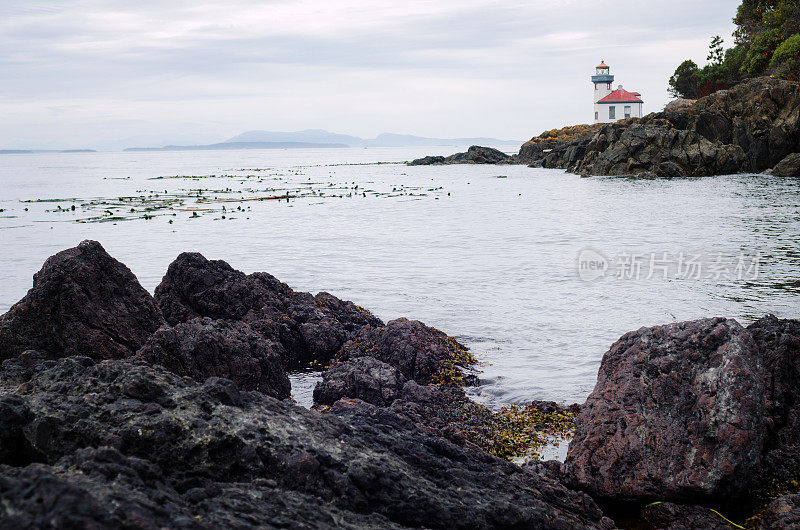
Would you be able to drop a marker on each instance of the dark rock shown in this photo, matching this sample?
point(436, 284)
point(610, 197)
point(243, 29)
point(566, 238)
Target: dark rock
point(420, 352)
point(783, 512)
point(474, 155)
point(83, 302)
point(364, 378)
point(670, 516)
point(102, 488)
point(427, 161)
point(677, 412)
point(788, 167)
point(202, 348)
point(113, 461)
point(302, 327)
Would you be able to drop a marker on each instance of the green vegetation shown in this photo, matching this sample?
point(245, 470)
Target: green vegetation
point(766, 42)
point(511, 432)
point(449, 372)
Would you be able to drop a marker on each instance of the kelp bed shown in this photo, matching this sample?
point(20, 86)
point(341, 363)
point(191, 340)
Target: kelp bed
point(232, 196)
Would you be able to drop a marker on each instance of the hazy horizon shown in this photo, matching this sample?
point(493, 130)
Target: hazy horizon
point(91, 74)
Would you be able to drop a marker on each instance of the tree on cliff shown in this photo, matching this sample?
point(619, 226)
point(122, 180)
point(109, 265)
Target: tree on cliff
point(683, 83)
point(766, 42)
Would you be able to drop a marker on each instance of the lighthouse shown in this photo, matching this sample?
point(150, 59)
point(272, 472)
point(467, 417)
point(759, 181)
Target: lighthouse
point(610, 104)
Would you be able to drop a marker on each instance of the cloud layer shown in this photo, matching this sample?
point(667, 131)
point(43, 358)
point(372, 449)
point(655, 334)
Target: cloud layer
point(81, 70)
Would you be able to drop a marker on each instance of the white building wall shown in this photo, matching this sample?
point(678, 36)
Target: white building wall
point(601, 90)
point(601, 111)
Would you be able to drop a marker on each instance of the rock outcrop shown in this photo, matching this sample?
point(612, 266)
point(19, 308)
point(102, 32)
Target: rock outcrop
point(474, 155)
point(788, 167)
point(420, 352)
point(192, 430)
point(748, 128)
point(83, 302)
point(303, 327)
point(203, 348)
point(677, 413)
point(116, 444)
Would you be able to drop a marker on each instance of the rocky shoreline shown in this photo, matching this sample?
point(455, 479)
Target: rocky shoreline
point(753, 127)
point(126, 410)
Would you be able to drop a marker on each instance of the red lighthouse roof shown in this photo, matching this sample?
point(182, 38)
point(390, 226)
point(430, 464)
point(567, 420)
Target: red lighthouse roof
point(602, 65)
point(621, 95)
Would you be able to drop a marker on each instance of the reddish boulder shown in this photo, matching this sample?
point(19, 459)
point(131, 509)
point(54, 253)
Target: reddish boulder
point(83, 302)
point(677, 412)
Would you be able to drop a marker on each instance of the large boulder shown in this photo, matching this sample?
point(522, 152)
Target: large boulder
point(474, 155)
point(127, 445)
point(420, 352)
point(84, 302)
point(306, 328)
point(203, 348)
point(788, 167)
point(678, 412)
point(364, 378)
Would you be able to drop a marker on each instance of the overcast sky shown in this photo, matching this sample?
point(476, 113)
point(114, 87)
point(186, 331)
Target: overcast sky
point(79, 72)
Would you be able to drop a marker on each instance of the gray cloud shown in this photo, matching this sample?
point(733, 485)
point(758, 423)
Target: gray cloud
point(526, 64)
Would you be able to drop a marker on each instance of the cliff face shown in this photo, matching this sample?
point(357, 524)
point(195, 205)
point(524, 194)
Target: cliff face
point(749, 128)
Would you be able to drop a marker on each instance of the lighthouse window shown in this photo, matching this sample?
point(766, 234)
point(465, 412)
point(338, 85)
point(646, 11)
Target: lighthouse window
point(595, 115)
point(612, 112)
point(608, 86)
point(627, 111)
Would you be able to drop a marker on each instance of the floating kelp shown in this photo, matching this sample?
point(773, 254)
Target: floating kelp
point(241, 188)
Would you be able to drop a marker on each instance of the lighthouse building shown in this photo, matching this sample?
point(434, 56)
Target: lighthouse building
point(610, 104)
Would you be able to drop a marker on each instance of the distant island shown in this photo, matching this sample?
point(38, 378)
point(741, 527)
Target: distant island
point(29, 151)
point(319, 138)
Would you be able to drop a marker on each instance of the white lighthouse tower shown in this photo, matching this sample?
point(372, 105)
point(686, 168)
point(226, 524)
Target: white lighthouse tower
point(603, 80)
point(612, 105)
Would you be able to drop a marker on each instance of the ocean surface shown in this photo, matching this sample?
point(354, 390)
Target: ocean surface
point(537, 271)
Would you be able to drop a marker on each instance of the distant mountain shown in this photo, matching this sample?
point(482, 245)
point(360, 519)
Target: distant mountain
point(383, 140)
point(316, 136)
point(240, 145)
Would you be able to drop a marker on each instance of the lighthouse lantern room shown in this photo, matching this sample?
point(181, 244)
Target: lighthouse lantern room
point(612, 105)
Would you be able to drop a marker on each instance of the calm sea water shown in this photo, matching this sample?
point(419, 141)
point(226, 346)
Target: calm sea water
point(489, 254)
